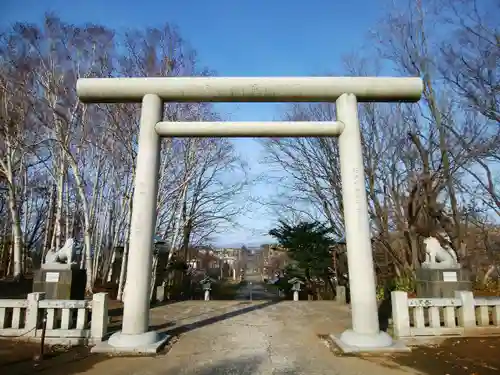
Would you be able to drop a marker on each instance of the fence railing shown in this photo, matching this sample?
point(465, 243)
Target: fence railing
point(463, 315)
point(67, 321)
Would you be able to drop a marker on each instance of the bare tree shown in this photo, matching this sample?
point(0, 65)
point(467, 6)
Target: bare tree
point(470, 57)
point(68, 169)
point(422, 163)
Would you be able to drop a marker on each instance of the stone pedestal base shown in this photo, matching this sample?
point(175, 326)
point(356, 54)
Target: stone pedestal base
point(60, 281)
point(143, 344)
point(441, 282)
point(353, 342)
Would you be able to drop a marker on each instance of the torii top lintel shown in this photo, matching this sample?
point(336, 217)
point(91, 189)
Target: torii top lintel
point(249, 89)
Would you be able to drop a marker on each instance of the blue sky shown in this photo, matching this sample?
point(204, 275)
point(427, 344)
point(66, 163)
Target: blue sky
point(235, 38)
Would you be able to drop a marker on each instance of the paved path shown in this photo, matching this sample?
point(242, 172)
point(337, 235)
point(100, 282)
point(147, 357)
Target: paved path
point(245, 338)
point(255, 292)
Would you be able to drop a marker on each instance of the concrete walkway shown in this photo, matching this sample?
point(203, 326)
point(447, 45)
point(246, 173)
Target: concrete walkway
point(262, 338)
point(244, 338)
point(247, 338)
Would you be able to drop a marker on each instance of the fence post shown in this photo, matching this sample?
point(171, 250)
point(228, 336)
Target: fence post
point(341, 294)
point(32, 316)
point(400, 314)
point(99, 320)
point(161, 292)
point(496, 316)
point(467, 312)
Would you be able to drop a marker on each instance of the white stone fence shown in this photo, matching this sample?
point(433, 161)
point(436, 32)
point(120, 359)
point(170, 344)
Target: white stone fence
point(68, 322)
point(463, 315)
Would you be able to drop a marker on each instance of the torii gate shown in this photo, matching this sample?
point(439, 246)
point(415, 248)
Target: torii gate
point(345, 91)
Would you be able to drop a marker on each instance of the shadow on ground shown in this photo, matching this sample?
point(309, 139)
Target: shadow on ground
point(72, 363)
point(115, 315)
point(115, 308)
point(159, 327)
point(67, 361)
point(239, 366)
point(457, 356)
point(202, 323)
point(57, 361)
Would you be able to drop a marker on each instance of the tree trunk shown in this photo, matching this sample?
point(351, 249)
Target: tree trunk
point(123, 269)
point(4, 250)
point(56, 239)
point(117, 230)
point(49, 223)
point(16, 223)
point(177, 222)
point(153, 276)
point(67, 216)
point(86, 224)
point(26, 215)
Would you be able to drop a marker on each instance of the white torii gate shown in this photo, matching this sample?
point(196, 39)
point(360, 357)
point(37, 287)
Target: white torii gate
point(345, 91)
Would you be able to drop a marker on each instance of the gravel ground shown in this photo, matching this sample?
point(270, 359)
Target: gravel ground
point(251, 337)
point(240, 338)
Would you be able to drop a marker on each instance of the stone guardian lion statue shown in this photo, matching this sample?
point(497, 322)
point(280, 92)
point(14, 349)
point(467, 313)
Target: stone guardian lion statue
point(435, 254)
point(62, 256)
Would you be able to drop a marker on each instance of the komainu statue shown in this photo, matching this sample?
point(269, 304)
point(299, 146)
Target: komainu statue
point(437, 255)
point(64, 255)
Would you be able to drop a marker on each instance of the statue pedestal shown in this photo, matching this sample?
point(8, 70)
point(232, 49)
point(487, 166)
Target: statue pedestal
point(60, 281)
point(439, 281)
